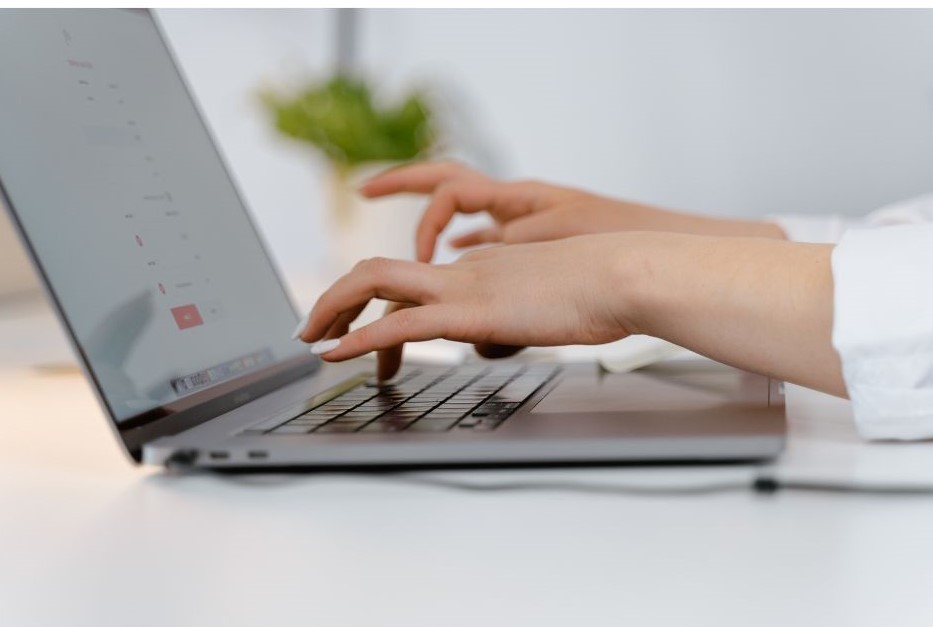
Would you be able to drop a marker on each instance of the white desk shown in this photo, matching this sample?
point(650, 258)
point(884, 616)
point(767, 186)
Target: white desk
point(88, 539)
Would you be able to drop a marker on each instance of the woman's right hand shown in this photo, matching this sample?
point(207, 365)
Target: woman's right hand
point(531, 211)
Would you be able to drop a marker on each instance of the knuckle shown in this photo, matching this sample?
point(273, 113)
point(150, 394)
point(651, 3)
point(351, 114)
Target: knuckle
point(363, 337)
point(406, 323)
point(375, 266)
point(444, 194)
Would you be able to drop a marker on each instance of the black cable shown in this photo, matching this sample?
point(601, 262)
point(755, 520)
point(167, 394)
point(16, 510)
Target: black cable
point(762, 484)
point(770, 485)
point(575, 487)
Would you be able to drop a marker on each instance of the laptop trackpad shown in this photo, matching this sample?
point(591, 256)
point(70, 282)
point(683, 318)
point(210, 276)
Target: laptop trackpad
point(634, 392)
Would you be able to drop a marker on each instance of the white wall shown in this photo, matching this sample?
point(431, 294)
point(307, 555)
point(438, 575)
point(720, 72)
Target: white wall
point(729, 112)
point(723, 111)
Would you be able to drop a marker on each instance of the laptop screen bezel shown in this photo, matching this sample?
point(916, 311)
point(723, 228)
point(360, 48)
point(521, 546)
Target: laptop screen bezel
point(172, 418)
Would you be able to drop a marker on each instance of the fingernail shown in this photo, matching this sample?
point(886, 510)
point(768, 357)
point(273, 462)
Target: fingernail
point(324, 346)
point(301, 327)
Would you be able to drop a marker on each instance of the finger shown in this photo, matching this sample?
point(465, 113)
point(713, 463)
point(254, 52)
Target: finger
point(496, 351)
point(491, 235)
point(421, 178)
point(412, 324)
point(503, 201)
point(540, 227)
point(389, 360)
point(342, 326)
point(448, 199)
point(390, 279)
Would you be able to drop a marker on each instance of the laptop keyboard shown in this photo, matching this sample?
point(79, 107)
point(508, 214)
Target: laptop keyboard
point(467, 397)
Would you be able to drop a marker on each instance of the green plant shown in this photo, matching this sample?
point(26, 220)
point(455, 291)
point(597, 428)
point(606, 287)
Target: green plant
point(341, 118)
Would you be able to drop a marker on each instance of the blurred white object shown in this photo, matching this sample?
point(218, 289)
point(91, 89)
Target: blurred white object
point(378, 227)
point(638, 351)
point(437, 352)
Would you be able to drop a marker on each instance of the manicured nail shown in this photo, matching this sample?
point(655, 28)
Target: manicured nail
point(301, 327)
point(324, 346)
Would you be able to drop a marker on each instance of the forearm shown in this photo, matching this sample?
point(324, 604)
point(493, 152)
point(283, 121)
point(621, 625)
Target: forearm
point(648, 218)
point(757, 304)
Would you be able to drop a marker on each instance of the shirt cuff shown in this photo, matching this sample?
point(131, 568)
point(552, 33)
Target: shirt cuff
point(812, 229)
point(883, 328)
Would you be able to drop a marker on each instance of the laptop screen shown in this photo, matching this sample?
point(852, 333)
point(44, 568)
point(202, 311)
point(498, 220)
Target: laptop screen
point(126, 204)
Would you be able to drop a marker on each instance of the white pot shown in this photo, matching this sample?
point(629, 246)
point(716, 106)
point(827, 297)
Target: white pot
point(362, 228)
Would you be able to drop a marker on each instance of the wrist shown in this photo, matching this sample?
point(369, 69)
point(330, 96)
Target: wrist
point(640, 263)
point(660, 276)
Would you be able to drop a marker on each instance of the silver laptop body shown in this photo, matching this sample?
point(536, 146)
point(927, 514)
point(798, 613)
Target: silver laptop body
point(181, 321)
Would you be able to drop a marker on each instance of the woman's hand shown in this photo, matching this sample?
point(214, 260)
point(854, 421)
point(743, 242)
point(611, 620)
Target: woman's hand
point(542, 294)
point(758, 304)
point(530, 211)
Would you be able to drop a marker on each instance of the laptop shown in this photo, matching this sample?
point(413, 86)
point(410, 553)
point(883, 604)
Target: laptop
point(183, 325)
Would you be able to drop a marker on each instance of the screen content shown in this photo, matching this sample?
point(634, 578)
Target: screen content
point(136, 224)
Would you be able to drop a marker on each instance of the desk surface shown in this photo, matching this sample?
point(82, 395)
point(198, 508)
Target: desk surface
point(88, 539)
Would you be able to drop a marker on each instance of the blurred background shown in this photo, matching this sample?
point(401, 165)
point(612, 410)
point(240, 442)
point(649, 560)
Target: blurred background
point(726, 112)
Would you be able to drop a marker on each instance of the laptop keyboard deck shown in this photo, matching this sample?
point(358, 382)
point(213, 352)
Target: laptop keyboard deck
point(471, 397)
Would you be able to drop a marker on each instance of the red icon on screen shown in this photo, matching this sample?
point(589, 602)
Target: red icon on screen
point(187, 316)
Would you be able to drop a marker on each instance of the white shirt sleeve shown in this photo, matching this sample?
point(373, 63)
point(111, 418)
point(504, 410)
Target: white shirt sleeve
point(883, 318)
point(883, 328)
point(828, 229)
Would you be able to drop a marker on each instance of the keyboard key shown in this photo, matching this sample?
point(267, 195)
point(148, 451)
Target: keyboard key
point(311, 422)
point(359, 414)
point(495, 409)
point(421, 406)
point(459, 405)
point(442, 417)
point(384, 427)
point(329, 412)
point(403, 413)
point(339, 428)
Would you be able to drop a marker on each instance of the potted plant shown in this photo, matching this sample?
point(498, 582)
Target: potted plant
point(358, 136)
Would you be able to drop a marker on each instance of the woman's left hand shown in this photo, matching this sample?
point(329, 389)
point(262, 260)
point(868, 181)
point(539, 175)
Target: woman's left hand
point(569, 291)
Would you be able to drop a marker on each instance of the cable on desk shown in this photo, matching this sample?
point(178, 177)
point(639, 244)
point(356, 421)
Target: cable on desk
point(576, 487)
point(768, 485)
point(763, 484)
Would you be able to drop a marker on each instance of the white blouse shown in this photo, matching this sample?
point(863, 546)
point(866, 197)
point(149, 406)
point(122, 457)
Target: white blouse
point(883, 317)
